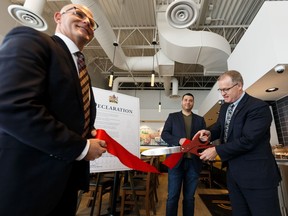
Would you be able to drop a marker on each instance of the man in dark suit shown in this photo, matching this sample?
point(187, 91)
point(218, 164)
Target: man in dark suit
point(252, 172)
point(44, 153)
point(178, 127)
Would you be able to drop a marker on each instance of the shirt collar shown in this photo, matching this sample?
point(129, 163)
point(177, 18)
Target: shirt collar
point(239, 99)
point(69, 43)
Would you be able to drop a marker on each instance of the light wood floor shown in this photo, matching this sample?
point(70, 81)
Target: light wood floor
point(200, 208)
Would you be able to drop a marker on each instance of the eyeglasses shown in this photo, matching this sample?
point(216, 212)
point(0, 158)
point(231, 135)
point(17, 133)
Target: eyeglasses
point(225, 90)
point(81, 15)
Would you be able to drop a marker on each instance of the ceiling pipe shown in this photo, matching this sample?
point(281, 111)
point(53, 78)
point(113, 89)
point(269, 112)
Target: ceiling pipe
point(182, 45)
point(106, 36)
point(167, 84)
point(193, 47)
point(166, 81)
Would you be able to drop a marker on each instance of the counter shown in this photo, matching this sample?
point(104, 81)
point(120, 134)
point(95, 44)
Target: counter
point(283, 187)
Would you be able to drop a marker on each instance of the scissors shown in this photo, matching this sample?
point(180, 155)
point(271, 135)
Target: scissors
point(194, 146)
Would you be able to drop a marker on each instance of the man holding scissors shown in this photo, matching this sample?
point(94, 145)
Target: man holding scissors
point(243, 127)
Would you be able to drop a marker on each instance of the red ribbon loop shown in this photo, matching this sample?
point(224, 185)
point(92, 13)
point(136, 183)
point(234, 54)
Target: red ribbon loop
point(126, 158)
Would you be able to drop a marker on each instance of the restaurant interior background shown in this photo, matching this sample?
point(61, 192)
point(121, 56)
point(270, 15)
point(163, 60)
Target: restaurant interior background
point(185, 45)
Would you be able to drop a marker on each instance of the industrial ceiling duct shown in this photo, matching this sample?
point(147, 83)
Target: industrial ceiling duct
point(208, 49)
point(29, 14)
point(167, 81)
point(182, 13)
point(177, 45)
point(105, 35)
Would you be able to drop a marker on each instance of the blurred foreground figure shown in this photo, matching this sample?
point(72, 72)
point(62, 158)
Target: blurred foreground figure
point(47, 115)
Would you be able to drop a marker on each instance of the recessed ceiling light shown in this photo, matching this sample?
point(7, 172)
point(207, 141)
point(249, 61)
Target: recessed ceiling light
point(220, 102)
point(272, 89)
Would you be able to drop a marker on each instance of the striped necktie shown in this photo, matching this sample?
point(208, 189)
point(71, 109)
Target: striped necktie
point(229, 114)
point(85, 87)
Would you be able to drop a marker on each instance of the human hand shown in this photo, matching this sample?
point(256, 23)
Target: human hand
point(96, 149)
point(181, 141)
point(204, 135)
point(208, 154)
point(94, 133)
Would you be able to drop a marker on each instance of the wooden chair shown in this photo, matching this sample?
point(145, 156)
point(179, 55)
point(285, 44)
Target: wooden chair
point(141, 187)
point(104, 185)
point(141, 175)
point(205, 175)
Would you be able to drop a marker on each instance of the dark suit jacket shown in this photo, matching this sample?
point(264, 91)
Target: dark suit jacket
point(248, 150)
point(41, 121)
point(174, 130)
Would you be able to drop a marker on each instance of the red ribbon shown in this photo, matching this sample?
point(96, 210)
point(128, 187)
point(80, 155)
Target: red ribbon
point(173, 159)
point(126, 158)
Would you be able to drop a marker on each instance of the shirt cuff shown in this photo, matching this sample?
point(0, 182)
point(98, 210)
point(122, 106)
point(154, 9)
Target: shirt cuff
point(84, 152)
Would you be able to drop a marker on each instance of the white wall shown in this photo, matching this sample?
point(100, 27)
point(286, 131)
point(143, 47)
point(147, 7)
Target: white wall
point(149, 100)
point(262, 47)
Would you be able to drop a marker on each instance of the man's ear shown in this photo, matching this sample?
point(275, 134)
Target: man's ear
point(57, 17)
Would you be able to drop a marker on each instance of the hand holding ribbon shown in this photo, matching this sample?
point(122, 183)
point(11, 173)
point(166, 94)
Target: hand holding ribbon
point(128, 159)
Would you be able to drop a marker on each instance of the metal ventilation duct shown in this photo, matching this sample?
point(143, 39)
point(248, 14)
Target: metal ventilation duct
point(166, 81)
point(193, 47)
point(182, 13)
point(105, 36)
point(29, 14)
point(181, 45)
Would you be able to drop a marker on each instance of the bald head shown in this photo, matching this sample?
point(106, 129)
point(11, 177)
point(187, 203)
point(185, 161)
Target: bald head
point(76, 22)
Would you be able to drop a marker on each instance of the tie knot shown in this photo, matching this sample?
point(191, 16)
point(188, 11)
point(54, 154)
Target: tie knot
point(80, 61)
point(230, 108)
point(80, 55)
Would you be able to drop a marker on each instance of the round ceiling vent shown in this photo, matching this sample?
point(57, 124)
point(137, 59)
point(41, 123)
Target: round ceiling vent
point(27, 17)
point(182, 13)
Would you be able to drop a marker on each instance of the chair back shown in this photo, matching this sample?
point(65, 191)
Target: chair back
point(150, 178)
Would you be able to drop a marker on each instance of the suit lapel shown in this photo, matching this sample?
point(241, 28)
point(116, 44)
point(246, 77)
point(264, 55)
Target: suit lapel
point(71, 64)
point(236, 111)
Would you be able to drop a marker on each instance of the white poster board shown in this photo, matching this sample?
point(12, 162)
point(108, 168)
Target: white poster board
point(119, 116)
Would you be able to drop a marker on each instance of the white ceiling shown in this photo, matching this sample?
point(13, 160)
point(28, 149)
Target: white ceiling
point(134, 25)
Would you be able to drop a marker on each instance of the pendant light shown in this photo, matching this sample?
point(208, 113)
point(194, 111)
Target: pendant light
point(115, 44)
point(159, 106)
point(111, 78)
point(153, 71)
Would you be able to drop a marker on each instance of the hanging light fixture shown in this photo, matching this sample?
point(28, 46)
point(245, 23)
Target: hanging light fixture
point(152, 78)
point(115, 44)
point(111, 78)
point(159, 106)
point(153, 75)
point(153, 71)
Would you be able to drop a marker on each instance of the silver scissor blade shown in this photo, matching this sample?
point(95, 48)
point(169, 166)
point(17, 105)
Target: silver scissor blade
point(161, 151)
